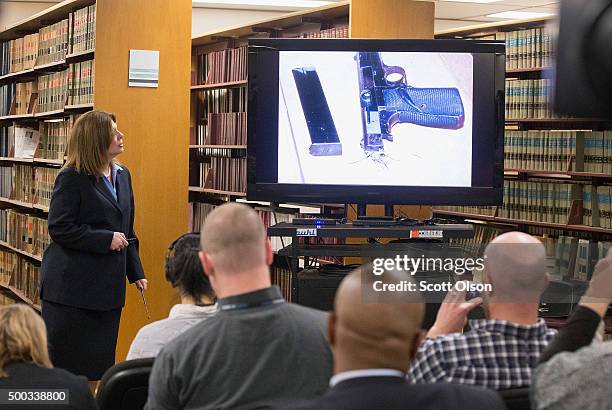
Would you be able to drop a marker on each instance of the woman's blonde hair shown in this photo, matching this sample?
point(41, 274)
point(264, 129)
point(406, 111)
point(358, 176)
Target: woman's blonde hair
point(23, 337)
point(90, 138)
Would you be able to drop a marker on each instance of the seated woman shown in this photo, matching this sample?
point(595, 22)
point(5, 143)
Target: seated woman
point(184, 272)
point(25, 364)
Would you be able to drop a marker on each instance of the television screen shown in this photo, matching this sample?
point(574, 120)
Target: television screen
point(376, 121)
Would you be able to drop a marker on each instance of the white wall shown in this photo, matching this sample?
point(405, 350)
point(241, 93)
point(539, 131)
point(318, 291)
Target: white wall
point(12, 12)
point(205, 20)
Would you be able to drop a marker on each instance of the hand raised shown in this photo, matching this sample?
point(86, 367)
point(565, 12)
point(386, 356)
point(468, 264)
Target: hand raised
point(600, 286)
point(453, 312)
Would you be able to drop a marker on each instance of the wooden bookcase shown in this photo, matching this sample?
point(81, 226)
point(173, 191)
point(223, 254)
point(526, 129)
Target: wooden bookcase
point(557, 179)
point(154, 154)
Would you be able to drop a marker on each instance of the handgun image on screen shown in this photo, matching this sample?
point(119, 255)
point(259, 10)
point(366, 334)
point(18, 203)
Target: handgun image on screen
point(387, 99)
point(323, 134)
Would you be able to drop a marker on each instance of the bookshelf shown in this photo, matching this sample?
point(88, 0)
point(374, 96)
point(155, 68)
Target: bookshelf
point(34, 52)
point(558, 171)
point(84, 67)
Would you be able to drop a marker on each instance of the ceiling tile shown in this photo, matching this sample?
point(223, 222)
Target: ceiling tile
point(455, 11)
point(440, 25)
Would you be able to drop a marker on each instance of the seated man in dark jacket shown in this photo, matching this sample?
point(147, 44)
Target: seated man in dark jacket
point(257, 349)
point(373, 344)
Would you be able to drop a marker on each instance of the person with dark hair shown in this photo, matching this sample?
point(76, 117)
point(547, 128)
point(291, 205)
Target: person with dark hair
point(258, 349)
point(184, 272)
point(25, 363)
point(93, 249)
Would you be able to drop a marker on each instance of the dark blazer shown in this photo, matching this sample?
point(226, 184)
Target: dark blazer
point(29, 376)
point(395, 393)
point(78, 268)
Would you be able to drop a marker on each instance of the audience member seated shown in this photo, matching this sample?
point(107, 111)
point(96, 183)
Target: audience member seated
point(257, 349)
point(25, 364)
point(184, 272)
point(575, 371)
point(501, 351)
point(373, 344)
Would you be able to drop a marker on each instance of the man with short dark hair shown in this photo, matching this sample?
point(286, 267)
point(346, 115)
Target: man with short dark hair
point(257, 349)
point(373, 344)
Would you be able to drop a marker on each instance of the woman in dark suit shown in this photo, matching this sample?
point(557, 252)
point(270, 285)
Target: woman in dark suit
point(93, 249)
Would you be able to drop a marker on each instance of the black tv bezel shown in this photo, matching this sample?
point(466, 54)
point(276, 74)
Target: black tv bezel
point(262, 50)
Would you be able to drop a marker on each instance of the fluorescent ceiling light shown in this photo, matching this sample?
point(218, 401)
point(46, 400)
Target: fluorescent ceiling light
point(517, 15)
point(262, 4)
point(471, 1)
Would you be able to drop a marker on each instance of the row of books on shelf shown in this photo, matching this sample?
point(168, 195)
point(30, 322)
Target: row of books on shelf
point(334, 32)
point(81, 82)
point(19, 54)
point(50, 92)
point(53, 138)
point(228, 65)
point(226, 174)
point(529, 48)
point(31, 184)
point(51, 43)
point(26, 232)
point(567, 257)
point(587, 151)
point(529, 98)
point(221, 152)
point(572, 258)
point(20, 273)
point(6, 181)
point(475, 245)
point(281, 277)
point(49, 141)
point(24, 94)
point(223, 129)
point(25, 183)
point(83, 24)
point(221, 100)
point(540, 201)
point(7, 92)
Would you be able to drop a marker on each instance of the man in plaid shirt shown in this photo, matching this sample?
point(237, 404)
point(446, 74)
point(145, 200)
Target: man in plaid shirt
point(499, 352)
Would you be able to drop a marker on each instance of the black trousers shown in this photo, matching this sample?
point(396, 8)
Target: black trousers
point(82, 341)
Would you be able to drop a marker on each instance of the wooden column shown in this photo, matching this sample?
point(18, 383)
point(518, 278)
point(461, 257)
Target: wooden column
point(155, 122)
point(391, 19)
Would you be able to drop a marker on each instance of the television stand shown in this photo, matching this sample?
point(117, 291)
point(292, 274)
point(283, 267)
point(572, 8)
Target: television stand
point(438, 235)
point(364, 220)
point(374, 221)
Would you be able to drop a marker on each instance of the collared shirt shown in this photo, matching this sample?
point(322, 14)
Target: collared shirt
point(495, 354)
point(355, 374)
point(152, 337)
point(111, 184)
point(252, 353)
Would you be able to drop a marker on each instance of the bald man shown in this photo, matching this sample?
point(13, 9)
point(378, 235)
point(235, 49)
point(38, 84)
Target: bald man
point(498, 352)
point(257, 349)
point(373, 343)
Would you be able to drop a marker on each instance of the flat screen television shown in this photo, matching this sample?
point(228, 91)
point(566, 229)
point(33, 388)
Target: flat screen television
point(376, 121)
